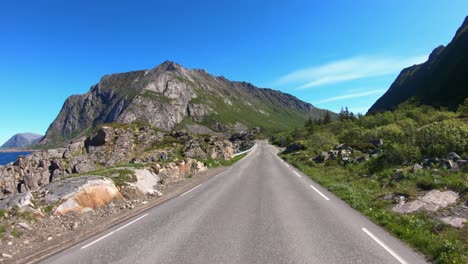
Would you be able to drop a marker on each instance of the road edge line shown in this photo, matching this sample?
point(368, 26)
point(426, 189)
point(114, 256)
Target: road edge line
point(384, 246)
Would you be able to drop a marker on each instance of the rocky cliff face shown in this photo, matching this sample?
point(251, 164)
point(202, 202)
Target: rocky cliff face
point(440, 81)
point(22, 140)
point(171, 95)
point(114, 149)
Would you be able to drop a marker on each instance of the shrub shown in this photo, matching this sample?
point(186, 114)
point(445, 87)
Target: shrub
point(440, 138)
point(402, 154)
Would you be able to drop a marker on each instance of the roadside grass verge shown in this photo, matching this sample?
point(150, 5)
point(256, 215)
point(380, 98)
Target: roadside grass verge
point(441, 243)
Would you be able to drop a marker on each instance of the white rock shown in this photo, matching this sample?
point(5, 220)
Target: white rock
point(5, 255)
point(454, 221)
point(25, 226)
point(146, 180)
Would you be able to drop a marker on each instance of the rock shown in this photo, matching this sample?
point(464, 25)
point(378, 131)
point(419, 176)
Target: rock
point(449, 164)
point(103, 135)
point(461, 163)
point(25, 226)
point(454, 221)
point(81, 192)
point(146, 181)
point(416, 167)
point(398, 175)
point(20, 200)
point(440, 198)
point(130, 192)
point(294, 147)
point(453, 156)
point(377, 142)
point(431, 201)
point(324, 156)
point(26, 242)
point(87, 210)
point(375, 152)
point(49, 238)
point(5, 255)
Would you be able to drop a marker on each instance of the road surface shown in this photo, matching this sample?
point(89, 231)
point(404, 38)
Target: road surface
point(261, 210)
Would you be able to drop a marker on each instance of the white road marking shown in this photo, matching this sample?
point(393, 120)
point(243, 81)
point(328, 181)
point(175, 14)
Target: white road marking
point(120, 228)
point(321, 194)
point(286, 164)
point(382, 244)
point(190, 190)
point(298, 175)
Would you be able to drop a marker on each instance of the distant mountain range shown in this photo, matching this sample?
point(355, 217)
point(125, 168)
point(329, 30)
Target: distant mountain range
point(22, 140)
point(442, 81)
point(171, 97)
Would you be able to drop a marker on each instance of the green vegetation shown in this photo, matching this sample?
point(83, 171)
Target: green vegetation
point(156, 96)
point(212, 163)
point(409, 134)
point(269, 117)
point(120, 175)
point(16, 233)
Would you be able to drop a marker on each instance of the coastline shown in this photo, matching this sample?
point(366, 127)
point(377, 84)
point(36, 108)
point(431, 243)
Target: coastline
point(14, 150)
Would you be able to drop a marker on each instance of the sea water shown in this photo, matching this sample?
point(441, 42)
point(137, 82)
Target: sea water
point(7, 157)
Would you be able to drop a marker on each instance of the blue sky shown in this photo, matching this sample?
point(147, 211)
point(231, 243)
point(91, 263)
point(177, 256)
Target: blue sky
point(328, 53)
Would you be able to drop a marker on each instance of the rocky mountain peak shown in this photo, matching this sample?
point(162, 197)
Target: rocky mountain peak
point(170, 95)
point(168, 66)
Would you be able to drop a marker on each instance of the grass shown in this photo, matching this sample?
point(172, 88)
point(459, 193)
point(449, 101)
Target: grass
point(212, 163)
point(440, 242)
point(16, 233)
point(156, 96)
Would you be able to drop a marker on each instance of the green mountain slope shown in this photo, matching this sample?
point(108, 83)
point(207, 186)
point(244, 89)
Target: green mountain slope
point(171, 96)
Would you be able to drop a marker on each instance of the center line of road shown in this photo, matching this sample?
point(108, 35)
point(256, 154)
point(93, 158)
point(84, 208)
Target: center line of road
point(382, 244)
point(190, 190)
point(120, 228)
point(298, 175)
point(321, 194)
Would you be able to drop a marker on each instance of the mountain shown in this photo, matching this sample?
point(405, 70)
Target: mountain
point(22, 140)
point(171, 96)
point(442, 81)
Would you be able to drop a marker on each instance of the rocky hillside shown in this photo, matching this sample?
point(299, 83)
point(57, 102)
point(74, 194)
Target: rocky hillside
point(171, 96)
point(441, 81)
point(22, 140)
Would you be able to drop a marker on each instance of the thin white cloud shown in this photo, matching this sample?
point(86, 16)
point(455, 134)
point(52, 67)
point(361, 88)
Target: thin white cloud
point(351, 95)
point(347, 70)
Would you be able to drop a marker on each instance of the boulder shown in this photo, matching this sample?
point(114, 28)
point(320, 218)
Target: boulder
point(375, 152)
point(398, 175)
point(431, 201)
point(451, 165)
point(146, 181)
point(82, 192)
point(416, 167)
point(294, 147)
point(103, 135)
point(453, 156)
point(20, 200)
point(377, 142)
point(322, 157)
point(454, 221)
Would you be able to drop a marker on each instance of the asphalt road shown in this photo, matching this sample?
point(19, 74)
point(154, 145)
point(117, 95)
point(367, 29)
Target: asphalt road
point(261, 210)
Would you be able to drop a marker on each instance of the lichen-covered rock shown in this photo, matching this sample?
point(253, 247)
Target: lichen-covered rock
point(431, 201)
point(77, 194)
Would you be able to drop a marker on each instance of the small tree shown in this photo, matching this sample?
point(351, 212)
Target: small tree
point(327, 119)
